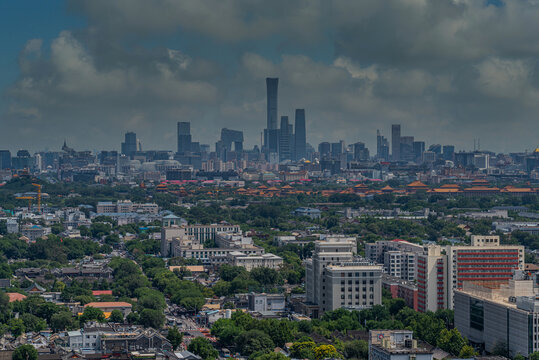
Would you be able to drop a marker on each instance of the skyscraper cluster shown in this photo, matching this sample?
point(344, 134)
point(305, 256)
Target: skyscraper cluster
point(407, 149)
point(282, 144)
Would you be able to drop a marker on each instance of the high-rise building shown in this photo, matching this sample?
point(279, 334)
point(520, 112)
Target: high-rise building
point(382, 147)
point(5, 159)
point(485, 262)
point(336, 278)
point(361, 153)
point(448, 152)
point(271, 133)
point(284, 139)
point(419, 149)
point(324, 149)
point(229, 138)
point(271, 88)
point(396, 142)
point(436, 148)
point(130, 144)
point(407, 148)
point(184, 137)
point(337, 149)
point(300, 138)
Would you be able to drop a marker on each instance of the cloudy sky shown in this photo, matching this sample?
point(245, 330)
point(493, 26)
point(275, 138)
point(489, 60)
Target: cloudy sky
point(448, 70)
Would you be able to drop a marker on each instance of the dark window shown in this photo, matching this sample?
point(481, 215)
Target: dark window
point(476, 314)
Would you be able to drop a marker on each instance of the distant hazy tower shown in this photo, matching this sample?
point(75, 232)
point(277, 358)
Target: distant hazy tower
point(300, 141)
point(184, 137)
point(396, 142)
point(271, 88)
point(130, 145)
point(284, 139)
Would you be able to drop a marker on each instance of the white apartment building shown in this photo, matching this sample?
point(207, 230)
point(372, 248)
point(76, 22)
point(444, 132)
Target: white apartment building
point(399, 257)
point(352, 285)
point(325, 253)
point(336, 278)
point(251, 261)
point(233, 240)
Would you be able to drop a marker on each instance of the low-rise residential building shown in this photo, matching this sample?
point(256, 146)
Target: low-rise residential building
point(251, 261)
point(233, 240)
point(313, 213)
point(402, 289)
point(34, 232)
point(396, 345)
point(266, 303)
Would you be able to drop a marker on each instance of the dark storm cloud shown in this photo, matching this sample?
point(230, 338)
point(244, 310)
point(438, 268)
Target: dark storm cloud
point(448, 70)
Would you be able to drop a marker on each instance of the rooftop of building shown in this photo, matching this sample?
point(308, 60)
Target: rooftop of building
point(108, 304)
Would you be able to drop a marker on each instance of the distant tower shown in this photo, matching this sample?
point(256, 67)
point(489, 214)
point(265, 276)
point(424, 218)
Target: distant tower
point(184, 137)
point(300, 138)
point(271, 133)
point(396, 142)
point(382, 147)
point(284, 139)
point(271, 88)
point(130, 144)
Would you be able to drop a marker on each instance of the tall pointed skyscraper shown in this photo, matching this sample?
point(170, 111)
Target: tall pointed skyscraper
point(300, 138)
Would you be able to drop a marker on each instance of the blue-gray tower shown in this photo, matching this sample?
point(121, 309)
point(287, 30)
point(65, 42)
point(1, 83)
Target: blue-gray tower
point(300, 137)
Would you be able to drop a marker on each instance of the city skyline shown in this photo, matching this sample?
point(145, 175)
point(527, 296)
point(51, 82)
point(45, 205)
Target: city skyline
point(88, 79)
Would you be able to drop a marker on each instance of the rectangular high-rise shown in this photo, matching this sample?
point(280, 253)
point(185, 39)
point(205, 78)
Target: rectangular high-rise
point(271, 133)
point(184, 137)
point(271, 89)
point(284, 139)
point(130, 144)
point(5, 159)
point(396, 142)
point(441, 270)
point(382, 147)
point(300, 138)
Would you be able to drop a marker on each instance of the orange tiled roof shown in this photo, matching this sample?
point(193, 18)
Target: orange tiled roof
point(442, 190)
point(101, 292)
point(108, 304)
point(416, 184)
point(15, 296)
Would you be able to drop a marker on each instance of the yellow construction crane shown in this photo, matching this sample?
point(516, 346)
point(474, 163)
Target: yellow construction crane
point(29, 198)
point(38, 197)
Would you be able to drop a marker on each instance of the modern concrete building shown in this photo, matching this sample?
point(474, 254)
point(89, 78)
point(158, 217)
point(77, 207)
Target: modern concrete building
point(432, 280)
point(443, 269)
point(352, 285)
point(396, 345)
point(300, 135)
point(252, 261)
point(336, 278)
point(504, 316)
point(284, 140)
point(395, 142)
point(184, 137)
point(399, 257)
point(266, 303)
